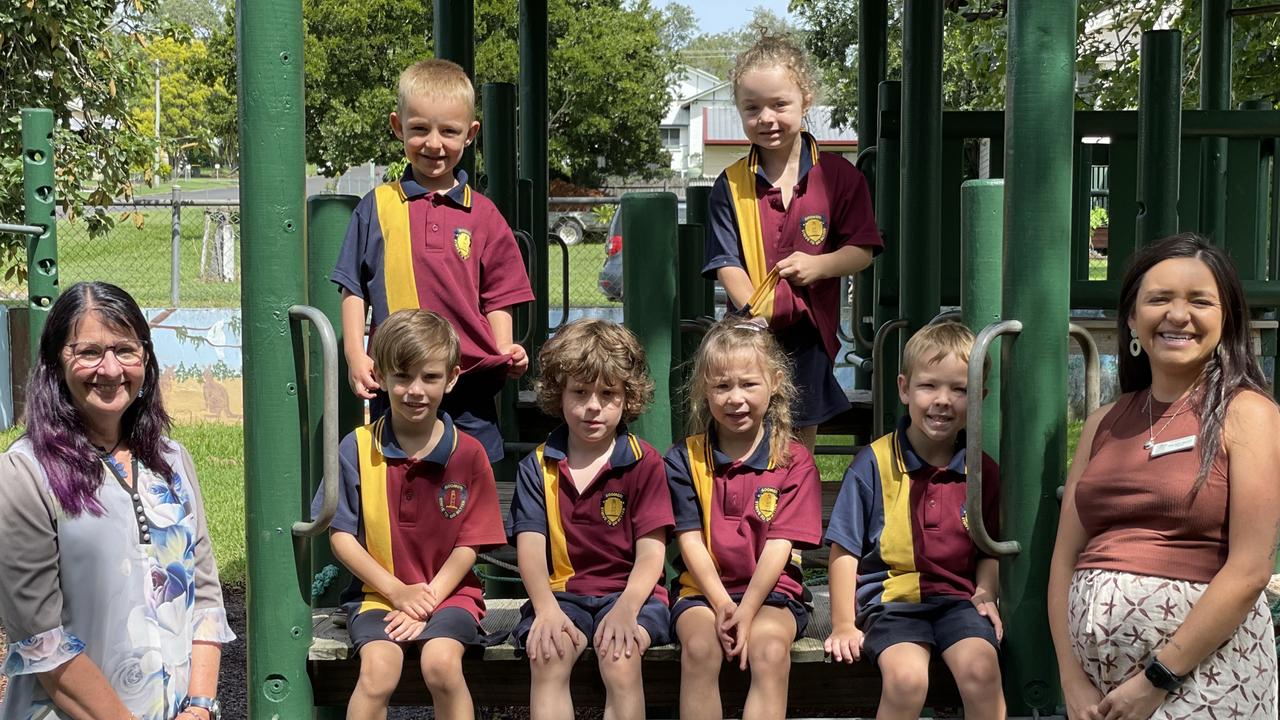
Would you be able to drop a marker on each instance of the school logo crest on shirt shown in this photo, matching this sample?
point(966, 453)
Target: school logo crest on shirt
point(766, 503)
point(612, 507)
point(814, 229)
point(462, 242)
point(453, 499)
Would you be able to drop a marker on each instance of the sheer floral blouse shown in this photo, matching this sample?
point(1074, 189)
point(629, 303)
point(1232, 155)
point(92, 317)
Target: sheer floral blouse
point(132, 588)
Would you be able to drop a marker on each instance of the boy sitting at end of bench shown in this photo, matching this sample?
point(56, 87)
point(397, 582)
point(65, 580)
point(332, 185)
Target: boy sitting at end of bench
point(899, 527)
point(589, 521)
point(418, 501)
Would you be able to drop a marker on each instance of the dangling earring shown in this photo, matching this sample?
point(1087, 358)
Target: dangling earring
point(142, 392)
point(1135, 347)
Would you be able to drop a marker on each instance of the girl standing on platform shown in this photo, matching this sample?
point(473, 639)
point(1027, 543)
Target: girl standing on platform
point(787, 222)
point(745, 494)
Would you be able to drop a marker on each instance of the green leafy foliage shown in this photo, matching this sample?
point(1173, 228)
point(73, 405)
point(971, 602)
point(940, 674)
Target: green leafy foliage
point(83, 60)
point(190, 102)
point(1109, 34)
point(607, 81)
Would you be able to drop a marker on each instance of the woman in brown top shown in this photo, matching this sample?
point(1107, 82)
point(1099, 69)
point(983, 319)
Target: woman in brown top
point(1172, 509)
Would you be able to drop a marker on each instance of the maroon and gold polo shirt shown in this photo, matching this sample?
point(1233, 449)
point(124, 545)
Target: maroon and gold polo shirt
point(410, 514)
point(738, 505)
point(452, 253)
point(830, 208)
point(591, 536)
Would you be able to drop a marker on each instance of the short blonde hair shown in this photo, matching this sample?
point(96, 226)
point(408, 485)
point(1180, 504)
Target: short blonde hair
point(435, 78)
point(588, 350)
point(409, 338)
point(933, 343)
point(732, 338)
point(772, 50)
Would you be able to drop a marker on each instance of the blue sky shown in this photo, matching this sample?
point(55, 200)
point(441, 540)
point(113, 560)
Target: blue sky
point(719, 15)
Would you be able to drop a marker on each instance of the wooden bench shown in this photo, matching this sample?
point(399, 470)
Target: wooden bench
point(499, 678)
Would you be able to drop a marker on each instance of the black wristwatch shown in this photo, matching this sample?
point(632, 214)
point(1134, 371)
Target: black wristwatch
point(204, 703)
point(1162, 677)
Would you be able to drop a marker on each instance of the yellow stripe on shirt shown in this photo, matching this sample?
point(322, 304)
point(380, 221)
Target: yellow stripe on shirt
point(897, 546)
point(397, 247)
point(374, 508)
point(561, 567)
point(702, 474)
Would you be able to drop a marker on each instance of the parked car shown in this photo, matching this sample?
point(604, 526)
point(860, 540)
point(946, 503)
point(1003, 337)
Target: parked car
point(574, 226)
point(611, 270)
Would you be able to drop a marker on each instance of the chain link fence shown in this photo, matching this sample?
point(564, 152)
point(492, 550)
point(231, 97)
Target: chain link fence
point(165, 252)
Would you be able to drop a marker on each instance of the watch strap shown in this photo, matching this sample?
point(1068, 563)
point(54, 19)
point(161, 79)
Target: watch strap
point(204, 703)
point(1162, 677)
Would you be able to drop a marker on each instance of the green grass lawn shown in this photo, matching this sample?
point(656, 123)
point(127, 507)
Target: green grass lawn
point(199, 183)
point(138, 259)
point(585, 260)
point(1098, 268)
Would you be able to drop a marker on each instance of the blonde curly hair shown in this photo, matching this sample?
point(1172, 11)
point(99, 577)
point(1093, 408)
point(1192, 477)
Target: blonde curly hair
point(772, 50)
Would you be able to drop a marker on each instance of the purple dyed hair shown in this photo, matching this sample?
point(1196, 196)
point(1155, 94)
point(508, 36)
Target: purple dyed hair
point(54, 426)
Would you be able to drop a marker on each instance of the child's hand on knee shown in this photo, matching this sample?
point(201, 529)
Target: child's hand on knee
point(844, 644)
point(735, 628)
point(554, 633)
point(619, 634)
point(987, 608)
point(723, 613)
point(417, 601)
point(402, 628)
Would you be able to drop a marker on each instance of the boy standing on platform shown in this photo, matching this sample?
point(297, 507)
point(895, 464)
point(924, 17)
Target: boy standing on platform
point(429, 241)
point(899, 534)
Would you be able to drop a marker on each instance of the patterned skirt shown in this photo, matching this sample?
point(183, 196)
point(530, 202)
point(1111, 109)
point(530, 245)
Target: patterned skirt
point(1118, 621)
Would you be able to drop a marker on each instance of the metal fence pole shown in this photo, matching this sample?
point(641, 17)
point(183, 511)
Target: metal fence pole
point(175, 257)
point(1215, 94)
point(888, 202)
point(454, 34)
point(982, 245)
point(533, 154)
point(1159, 134)
point(41, 211)
point(920, 285)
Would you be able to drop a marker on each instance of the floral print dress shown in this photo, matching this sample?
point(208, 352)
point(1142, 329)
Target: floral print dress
point(132, 587)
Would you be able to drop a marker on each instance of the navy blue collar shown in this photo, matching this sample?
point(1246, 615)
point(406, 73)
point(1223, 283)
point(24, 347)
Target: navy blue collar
point(460, 194)
point(626, 449)
point(808, 159)
point(911, 460)
point(759, 458)
point(385, 435)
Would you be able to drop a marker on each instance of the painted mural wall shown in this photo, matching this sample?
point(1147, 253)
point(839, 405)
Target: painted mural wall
point(198, 350)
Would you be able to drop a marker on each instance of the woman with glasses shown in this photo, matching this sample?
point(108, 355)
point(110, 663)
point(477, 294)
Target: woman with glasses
point(108, 590)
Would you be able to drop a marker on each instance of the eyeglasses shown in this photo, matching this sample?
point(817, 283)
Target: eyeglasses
point(91, 355)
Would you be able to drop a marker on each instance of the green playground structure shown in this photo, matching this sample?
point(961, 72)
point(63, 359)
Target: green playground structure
point(1020, 238)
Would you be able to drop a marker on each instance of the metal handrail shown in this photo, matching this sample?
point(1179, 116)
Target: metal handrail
point(854, 334)
point(524, 237)
point(564, 280)
point(947, 316)
point(21, 229)
point(329, 429)
point(1092, 368)
point(973, 446)
point(877, 367)
point(857, 362)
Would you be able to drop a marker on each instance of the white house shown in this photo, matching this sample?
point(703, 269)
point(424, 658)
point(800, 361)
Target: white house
point(703, 132)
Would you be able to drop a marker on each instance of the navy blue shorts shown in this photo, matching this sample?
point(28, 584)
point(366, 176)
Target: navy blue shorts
point(473, 409)
point(939, 622)
point(586, 612)
point(819, 396)
point(452, 622)
point(773, 599)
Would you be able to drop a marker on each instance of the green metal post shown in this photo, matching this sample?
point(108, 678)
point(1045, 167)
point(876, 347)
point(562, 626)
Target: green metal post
point(649, 262)
point(888, 214)
point(696, 300)
point(1215, 94)
point(273, 213)
point(1253, 246)
point(920, 279)
point(1159, 134)
point(873, 61)
point(698, 213)
point(1039, 140)
point(533, 152)
point(982, 245)
point(499, 142)
point(40, 210)
point(453, 27)
point(327, 220)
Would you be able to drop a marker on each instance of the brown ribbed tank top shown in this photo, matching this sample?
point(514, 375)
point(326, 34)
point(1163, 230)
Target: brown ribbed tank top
point(1138, 512)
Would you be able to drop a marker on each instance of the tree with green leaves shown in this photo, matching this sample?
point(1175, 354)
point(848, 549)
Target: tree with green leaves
point(1108, 32)
point(82, 60)
point(189, 103)
point(608, 67)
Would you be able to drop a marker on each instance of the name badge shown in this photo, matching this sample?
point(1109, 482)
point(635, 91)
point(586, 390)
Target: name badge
point(1173, 446)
